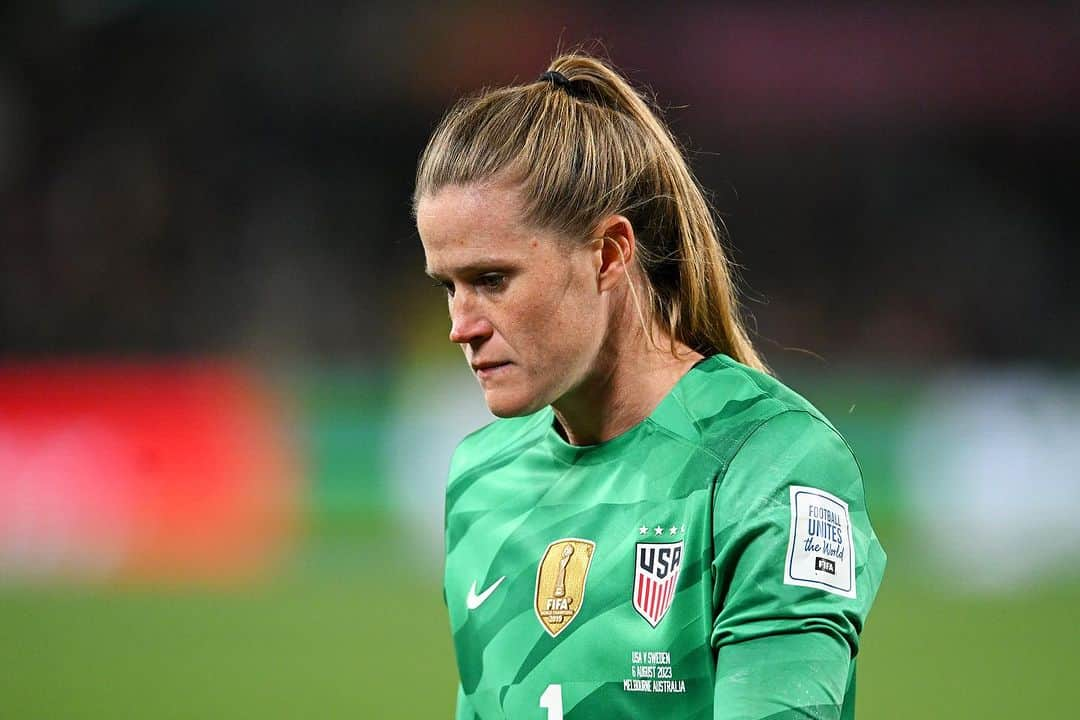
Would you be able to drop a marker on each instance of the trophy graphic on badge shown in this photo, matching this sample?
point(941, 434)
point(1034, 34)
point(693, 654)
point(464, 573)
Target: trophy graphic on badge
point(560, 579)
point(560, 582)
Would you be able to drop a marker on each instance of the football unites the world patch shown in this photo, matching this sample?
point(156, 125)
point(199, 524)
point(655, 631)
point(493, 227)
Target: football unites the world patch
point(821, 550)
point(656, 577)
point(560, 582)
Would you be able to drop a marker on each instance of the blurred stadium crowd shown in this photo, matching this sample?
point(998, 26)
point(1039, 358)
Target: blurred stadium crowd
point(189, 177)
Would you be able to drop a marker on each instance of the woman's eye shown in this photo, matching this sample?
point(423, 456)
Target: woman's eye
point(491, 281)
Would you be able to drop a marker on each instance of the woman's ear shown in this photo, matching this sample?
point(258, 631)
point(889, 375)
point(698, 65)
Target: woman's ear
point(616, 251)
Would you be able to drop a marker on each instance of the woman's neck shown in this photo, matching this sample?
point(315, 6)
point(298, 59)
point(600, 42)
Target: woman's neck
point(624, 389)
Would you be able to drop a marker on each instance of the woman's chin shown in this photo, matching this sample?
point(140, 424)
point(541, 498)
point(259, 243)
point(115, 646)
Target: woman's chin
point(506, 404)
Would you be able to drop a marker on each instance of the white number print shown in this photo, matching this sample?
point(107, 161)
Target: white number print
point(552, 701)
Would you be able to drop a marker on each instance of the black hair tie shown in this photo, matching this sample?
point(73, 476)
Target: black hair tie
point(558, 80)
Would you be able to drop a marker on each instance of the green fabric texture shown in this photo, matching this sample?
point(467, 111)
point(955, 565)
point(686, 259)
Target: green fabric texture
point(700, 495)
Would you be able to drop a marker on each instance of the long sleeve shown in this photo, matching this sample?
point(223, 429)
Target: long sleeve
point(796, 568)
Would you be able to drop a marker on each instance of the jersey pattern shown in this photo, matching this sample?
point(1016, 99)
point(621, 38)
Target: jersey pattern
point(714, 561)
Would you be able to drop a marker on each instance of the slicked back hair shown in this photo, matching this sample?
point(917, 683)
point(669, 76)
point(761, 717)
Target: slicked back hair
point(586, 149)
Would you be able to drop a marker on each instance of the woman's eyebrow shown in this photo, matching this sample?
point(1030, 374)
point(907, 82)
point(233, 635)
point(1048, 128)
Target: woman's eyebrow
point(472, 268)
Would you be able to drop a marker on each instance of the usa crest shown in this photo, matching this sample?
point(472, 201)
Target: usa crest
point(655, 578)
point(560, 582)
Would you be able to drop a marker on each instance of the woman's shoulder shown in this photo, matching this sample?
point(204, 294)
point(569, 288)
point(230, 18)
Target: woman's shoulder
point(723, 402)
point(723, 377)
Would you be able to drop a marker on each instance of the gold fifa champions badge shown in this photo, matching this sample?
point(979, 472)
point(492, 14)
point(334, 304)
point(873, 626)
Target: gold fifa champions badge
point(560, 582)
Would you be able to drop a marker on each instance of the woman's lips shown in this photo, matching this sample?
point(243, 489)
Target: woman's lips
point(487, 371)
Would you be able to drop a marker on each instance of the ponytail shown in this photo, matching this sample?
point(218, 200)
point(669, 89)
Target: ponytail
point(583, 144)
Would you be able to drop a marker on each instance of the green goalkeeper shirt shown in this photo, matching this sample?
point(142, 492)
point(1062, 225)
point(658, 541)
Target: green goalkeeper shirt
point(714, 561)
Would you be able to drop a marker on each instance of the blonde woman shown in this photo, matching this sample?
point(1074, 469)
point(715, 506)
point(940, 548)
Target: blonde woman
point(655, 526)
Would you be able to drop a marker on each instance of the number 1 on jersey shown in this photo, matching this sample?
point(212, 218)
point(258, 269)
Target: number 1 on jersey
point(552, 701)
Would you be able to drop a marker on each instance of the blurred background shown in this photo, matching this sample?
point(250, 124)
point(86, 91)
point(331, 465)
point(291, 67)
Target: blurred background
point(227, 400)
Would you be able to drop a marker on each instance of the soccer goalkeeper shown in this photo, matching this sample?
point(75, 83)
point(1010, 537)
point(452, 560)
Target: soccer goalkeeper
point(655, 527)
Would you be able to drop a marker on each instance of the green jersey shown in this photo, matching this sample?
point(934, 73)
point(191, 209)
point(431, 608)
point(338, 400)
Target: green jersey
point(714, 561)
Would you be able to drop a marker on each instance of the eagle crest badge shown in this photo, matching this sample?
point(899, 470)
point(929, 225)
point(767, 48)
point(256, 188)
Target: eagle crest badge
point(560, 582)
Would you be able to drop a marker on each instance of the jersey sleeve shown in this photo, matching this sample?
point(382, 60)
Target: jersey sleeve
point(796, 567)
point(463, 709)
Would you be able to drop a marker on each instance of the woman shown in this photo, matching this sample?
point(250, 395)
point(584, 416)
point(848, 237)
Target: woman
point(655, 527)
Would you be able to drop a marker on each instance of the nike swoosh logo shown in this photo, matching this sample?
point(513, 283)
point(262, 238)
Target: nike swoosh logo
point(474, 601)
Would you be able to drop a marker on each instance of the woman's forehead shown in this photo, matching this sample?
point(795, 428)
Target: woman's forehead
point(470, 206)
point(466, 225)
point(474, 254)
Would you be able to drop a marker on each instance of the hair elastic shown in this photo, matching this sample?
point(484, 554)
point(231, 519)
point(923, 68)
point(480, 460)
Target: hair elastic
point(557, 79)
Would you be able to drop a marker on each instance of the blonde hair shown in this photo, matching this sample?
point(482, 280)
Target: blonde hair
point(587, 147)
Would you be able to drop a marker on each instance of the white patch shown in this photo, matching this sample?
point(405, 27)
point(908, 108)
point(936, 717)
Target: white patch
point(821, 550)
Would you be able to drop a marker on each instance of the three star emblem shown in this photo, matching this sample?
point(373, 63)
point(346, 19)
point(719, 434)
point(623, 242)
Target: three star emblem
point(660, 530)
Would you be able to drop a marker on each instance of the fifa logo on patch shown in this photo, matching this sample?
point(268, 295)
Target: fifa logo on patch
point(560, 582)
point(656, 575)
point(825, 565)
